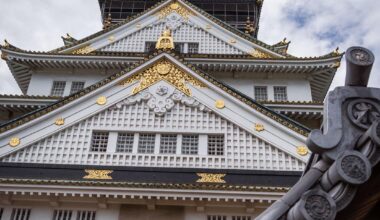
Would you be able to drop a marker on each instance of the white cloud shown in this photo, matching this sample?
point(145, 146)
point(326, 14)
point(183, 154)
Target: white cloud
point(38, 25)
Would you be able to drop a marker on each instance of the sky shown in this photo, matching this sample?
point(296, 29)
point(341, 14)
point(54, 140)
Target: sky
point(314, 28)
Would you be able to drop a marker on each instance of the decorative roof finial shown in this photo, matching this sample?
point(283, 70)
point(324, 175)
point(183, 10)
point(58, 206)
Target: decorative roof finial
point(107, 21)
point(284, 41)
point(6, 44)
point(249, 28)
point(336, 51)
point(165, 41)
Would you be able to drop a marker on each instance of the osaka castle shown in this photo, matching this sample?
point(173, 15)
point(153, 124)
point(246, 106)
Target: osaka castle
point(174, 111)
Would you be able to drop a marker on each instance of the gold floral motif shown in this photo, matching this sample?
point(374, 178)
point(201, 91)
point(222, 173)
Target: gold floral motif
point(259, 127)
point(259, 54)
point(302, 150)
point(98, 174)
point(83, 50)
point(13, 142)
point(211, 178)
point(59, 121)
point(219, 104)
point(165, 41)
point(175, 7)
point(101, 100)
point(174, 76)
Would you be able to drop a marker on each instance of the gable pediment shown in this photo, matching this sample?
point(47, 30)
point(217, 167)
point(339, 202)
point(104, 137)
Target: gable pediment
point(188, 26)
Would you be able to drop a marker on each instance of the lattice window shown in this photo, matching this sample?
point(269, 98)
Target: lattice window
point(216, 217)
point(20, 214)
point(124, 143)
point(146, 143)
point(86, 215)
point(62, 214)
point(193, 48)
point(190, 144)
point(149, 46)
point(261, 93)
point(76, 87)
point(280, 93)
point(179, 47)
point(58, 88)
point(241, 218)
point(215, 145)
point(168, 143)
point(99, 142)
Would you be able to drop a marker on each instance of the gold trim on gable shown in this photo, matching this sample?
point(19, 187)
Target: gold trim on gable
point(163, 70)
point(98, 174)
point(175, 7)
point(211, 178)
point(259, 54)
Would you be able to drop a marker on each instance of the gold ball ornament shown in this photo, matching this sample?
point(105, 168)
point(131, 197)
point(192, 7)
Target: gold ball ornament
point(101, 100)
point(302, 150)
point(13, 142)
point(219, 104)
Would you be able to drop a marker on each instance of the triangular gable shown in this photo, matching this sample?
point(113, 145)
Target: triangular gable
point(189, 15)
point(140, 114)
point(248, 115)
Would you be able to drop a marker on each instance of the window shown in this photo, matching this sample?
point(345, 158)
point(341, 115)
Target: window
point(1, 212)
point(146, 143)
point(190, 144)
point(76, 87)
point(241, 218)
point(86, 215)
point(124, 143)
point(58, 88)
point(216, 217)
point(261, 93)
point(215, 144)
point(62, 214)
point(168, 144)
point(99, 142)
point(20, 214)
point(280, 93)
point(179, 47)
point(193, 48)
point(149, 46)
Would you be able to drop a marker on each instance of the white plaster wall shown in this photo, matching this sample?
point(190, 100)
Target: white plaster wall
point(297, 89)
point(42, 82)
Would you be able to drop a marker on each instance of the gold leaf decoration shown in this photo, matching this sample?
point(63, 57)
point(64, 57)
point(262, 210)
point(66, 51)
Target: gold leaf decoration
point(259, 127)
point(13, 142)
point(83, 50)
point(259, 54)
point(98, 174)
point(163, 70)
point(302, 150)
point(101, 100)
point(211, 178)
point(175, 7)
point(59, 121)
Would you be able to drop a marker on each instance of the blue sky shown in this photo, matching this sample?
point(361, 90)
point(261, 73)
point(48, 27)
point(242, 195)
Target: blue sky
point(314, 27)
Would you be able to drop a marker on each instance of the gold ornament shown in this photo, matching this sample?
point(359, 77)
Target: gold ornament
point(59, 121)
point(98, 174)
point(302, 150)
point(259, 54)
point(169, 72)
point(165, 41)
point(13, 142)
point(101, 100)
point(111, 39)
point(175, 7)
point(336, 65)
point(83, 50)
point(211, 178)
point(208, 27)
point(219, 104)
point(259, 127)
point(232, 41)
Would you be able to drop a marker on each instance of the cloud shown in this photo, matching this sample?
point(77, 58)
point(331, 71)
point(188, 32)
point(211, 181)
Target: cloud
point(314, 27)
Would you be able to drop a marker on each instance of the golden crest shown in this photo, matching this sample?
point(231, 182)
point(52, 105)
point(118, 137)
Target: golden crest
point(163, 68)
point(165, 41)
point(302, 150)
point(13, 142)
point(98, 174)
point(211, 178)
point(59, 121)
point(219, 104)
point(259, 54)
point(175, 7)
point(101, 100)
point(259, 127)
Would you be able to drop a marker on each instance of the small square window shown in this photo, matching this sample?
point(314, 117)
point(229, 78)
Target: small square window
point(76, 87)
point(146, 143)
point(58, 88)
point(124, 143)
point(149, 46)
point(99, 142)
point(168, 143)
point(190, 144)
point(215, 145)
point(179, 47)
point(261, 93)
point(280, 93)
point(193, 48)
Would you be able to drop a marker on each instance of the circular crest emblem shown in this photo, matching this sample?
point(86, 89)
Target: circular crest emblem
point(163, 68)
